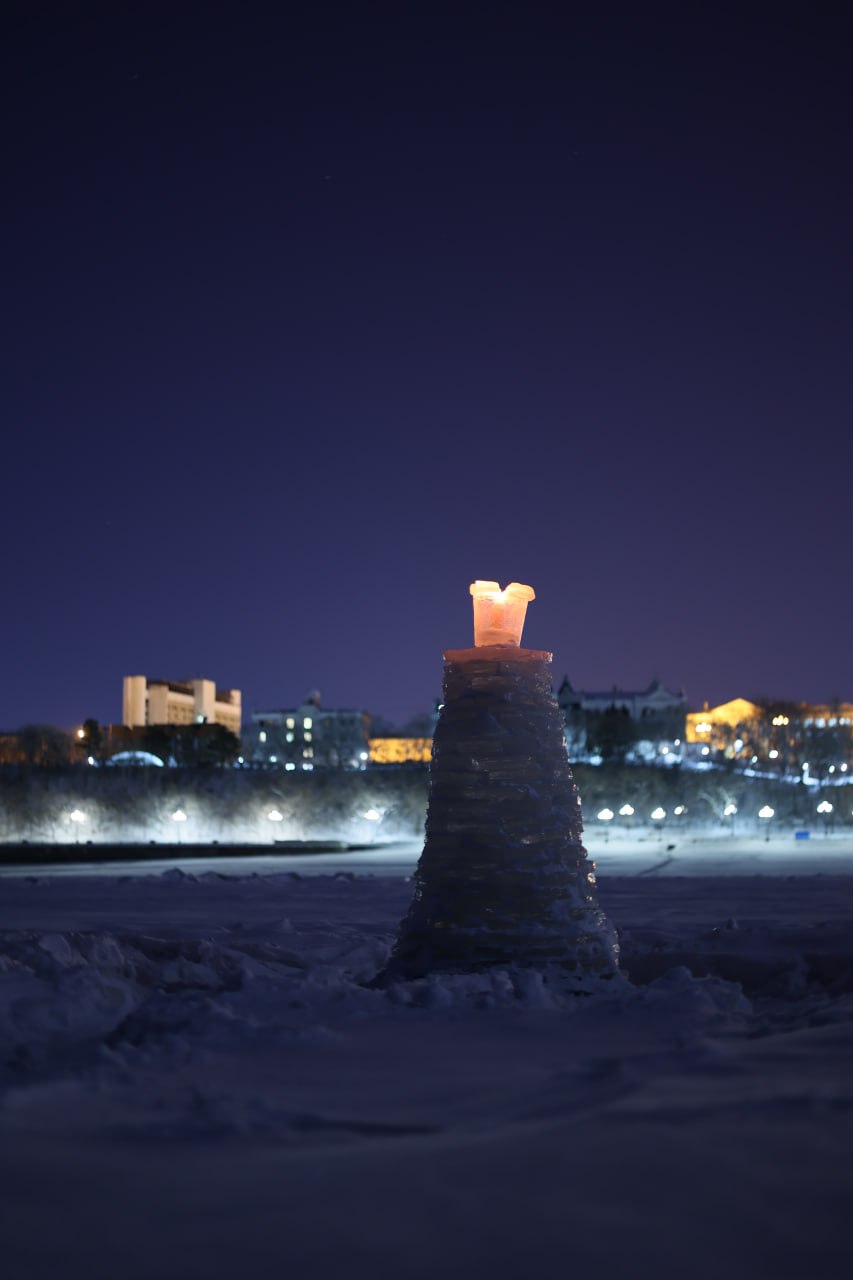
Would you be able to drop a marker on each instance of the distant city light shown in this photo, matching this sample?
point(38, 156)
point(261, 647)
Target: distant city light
point(658, 814)
point(824, 807)
point(307, 723)
point(777, 720)
point(730, 811)
point(627, 810)
point(832, 768)
point(262, 736)
point(290, 766)
point(738, 744)
point(774, 754)
point(679, 809)
point(372, 815)
point(362, 755)
point(274, 815)
point(766, 812)
point(706, 751)
point(843, 768)
point(179, 816)
point(273, 759)
point(77, 815)
point(90, 759)
point(704, 727)
point(605, 815)
point(81, 733)
point(664, 751)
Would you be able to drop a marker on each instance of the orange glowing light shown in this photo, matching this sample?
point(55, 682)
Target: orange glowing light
point(499, 615)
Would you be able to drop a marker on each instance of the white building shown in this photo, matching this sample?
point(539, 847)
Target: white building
point(180, 702)
point(308, 737)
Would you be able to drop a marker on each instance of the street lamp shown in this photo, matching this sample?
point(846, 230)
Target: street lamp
point(275, 816)
point(766, 813)
point(658, 814)
point(605, 815)
point(627, 811)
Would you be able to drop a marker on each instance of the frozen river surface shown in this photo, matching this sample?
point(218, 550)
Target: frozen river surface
point(620, 853)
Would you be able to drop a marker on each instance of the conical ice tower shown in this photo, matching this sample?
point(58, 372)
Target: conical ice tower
point(504, 878)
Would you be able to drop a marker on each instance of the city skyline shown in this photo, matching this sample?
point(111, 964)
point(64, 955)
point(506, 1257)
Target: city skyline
point(314, 318)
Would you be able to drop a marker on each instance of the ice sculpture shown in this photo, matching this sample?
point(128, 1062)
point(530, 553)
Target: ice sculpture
point(499, 615)
point(504, 878)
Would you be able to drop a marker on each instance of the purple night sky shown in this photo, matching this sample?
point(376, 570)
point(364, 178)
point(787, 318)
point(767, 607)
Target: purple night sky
point(313, 317)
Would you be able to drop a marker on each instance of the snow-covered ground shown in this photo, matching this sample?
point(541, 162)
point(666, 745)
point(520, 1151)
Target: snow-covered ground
point(199, 1081)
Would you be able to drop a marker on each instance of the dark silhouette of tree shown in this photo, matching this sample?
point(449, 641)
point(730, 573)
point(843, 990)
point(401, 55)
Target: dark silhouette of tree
point(610, 733)
point(44, 745)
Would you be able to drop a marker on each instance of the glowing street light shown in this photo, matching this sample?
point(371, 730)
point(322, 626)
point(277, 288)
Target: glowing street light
point(658, 814)
point(179, 816)
point(77, 815)
point(766, 812)
point(824, 807)
point(773, 755)
point(605, 815)
point(275, 816)
point(627, 811)
point(730, 811)
point(679, 810)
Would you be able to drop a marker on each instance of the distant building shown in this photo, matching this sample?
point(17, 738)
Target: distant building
point(400, 750)
point(307, 737)
point(813, 738)
point(656, 714)
point(148, 702)
point(720, 727)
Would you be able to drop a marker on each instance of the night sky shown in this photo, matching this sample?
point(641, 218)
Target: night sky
point(315, 314)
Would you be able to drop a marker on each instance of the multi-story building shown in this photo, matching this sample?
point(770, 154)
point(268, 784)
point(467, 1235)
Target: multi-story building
point(307, 737)
point(187, 702)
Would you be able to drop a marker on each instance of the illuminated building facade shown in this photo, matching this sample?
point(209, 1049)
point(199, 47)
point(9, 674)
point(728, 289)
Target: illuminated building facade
point(307, 737)
point(400, 750)
point(148, 702)
point(815, 739)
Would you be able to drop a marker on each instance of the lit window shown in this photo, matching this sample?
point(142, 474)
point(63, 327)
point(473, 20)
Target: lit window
point(288, 737)
point(308, 752)
point(262, 736)
point(290, 722)
point(307, 723)
point(308, 735)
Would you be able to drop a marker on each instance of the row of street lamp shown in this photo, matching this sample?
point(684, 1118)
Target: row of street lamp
point(274, 815)
point(658, 814)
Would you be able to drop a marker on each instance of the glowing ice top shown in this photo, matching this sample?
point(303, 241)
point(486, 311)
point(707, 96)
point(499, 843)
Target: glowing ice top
point(499, 615)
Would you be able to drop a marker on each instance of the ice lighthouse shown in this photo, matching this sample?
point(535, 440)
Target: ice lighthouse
point(504, 878)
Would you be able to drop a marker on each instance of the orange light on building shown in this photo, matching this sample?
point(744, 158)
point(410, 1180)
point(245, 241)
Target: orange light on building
point(400, 750)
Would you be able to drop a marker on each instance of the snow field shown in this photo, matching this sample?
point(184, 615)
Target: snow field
point(199, 1081)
